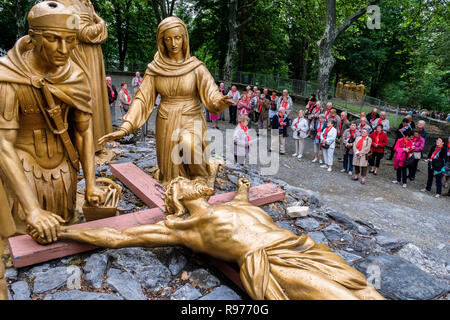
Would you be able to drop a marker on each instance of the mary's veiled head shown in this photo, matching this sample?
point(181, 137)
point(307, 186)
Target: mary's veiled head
point(172, 37)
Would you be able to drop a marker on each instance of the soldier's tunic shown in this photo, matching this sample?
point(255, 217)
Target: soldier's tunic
point(46, 164)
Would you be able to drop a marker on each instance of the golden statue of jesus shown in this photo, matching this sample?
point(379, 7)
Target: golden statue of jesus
point(184, 83)
point(274, 263)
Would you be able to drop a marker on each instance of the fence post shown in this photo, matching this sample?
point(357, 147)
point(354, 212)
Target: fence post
point(396, 116)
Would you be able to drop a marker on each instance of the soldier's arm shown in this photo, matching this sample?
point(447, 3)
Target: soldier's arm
point(84, 141)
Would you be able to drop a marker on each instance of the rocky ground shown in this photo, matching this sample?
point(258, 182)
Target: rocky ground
point(393, 260)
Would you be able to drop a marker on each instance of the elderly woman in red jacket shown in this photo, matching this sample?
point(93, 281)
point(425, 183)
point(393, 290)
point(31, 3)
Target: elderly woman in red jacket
point(379, 141)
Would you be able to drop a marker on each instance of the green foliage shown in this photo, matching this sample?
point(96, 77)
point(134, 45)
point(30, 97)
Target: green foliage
point(406, 62)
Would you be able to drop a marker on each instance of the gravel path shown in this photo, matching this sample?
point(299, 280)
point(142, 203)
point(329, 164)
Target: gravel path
point(408, 213)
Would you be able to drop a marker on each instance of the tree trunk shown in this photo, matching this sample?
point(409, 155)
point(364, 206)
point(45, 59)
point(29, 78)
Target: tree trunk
point(232, 43)
point(306, 62)
point(325, 45)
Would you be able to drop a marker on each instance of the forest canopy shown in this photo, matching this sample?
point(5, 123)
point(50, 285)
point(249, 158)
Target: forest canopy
point(406, 61)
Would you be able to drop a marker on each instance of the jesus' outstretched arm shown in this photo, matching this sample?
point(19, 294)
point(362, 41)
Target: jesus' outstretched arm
point(154, 235)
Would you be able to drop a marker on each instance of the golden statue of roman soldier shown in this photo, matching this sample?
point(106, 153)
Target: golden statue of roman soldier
point(275, 264)
point(184, 83)
point(45, 128)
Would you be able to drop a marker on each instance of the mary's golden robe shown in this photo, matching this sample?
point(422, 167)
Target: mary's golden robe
point(183, 88)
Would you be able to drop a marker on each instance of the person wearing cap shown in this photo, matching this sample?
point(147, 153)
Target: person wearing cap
point(39, 84)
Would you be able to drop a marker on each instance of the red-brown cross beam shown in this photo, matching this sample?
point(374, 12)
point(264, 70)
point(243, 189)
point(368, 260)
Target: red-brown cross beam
point(25, 251)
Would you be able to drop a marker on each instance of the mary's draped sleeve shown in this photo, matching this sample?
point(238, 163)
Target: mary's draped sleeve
point(142, 106)
point(90, 31)
point(208, 91)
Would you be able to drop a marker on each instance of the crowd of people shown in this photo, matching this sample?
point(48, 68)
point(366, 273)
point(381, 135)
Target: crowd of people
point(361, 143)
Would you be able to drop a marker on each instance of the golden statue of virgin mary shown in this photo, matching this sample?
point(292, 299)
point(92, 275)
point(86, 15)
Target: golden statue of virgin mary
point(184, 83)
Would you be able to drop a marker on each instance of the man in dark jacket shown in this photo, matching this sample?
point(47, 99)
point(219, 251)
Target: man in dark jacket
point(280, 121)
point(112, 97)
point(436, 166)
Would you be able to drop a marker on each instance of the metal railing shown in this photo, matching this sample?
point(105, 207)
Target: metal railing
point(348, 100)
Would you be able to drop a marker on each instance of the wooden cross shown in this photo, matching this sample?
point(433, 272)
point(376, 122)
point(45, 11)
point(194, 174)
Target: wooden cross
point(25, 251)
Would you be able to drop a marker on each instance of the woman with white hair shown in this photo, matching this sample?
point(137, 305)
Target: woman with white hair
point(383, 121)
point(241, 140)
point(300, 129)
point(328, 144)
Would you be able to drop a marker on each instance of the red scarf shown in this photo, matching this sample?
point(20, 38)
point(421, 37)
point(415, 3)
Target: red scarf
point(326, 132)
point(284, 104)
point(377, 139)
point(380, 121)
point(281, 120)
point(112, 91)
point(361, 126)
point(319, 130)
point(139, 81)
point(260, 106)
point(352, 133)
point(372, 117)
point(317, 109)
point(340, 125)
point(328, 112)
point(296, 124)
point(311, 106)
point(126, 93)
point(408, 144)
point(360, 143)
point(274, 97)
point(435, 152)
point(245, 130)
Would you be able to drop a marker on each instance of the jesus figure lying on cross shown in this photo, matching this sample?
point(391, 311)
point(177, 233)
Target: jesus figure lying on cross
point(274, 263)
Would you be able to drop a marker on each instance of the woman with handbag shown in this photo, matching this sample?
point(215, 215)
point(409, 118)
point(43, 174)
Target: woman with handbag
point(419, 143)
point(436, 166)
point(300, 128)
point(348, 139)
point(403, 158)
point(361, 149)
point(379, 141)
point(328, 142)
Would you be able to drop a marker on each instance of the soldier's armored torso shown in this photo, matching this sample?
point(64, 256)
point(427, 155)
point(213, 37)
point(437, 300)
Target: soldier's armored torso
point(41, 151)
